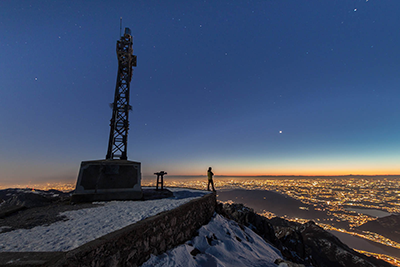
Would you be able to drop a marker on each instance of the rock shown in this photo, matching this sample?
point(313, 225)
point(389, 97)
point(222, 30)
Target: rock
point(302, 244)
point(195, 251)
point(284, 263)
point(247, 216)
point(31, 198)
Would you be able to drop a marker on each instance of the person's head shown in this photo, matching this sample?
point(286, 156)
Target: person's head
point(209, 168)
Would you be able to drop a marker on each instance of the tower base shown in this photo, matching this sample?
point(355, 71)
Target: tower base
point(104, 180)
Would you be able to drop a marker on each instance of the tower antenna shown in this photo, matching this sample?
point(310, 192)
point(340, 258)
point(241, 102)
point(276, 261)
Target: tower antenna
point(115, 177)
point(120, 26)
point(119, 126)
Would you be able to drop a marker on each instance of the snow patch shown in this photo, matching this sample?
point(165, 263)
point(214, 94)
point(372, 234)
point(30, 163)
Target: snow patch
point(220, 243)
point(89, 224)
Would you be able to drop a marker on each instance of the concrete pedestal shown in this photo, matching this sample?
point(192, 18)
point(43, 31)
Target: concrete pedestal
point(104, 180)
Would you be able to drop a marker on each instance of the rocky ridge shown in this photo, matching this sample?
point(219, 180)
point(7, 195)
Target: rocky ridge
point(306, 244)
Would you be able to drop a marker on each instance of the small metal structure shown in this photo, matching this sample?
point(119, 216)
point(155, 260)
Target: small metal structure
point(119, 126)
point(160, 179)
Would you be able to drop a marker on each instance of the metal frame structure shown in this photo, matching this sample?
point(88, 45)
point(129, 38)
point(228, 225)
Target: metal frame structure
point(119, 126)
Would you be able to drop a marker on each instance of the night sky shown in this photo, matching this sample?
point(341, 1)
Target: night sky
point(273, 87)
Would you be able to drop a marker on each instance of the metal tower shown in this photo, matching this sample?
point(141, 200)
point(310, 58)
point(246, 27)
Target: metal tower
point(117, 144)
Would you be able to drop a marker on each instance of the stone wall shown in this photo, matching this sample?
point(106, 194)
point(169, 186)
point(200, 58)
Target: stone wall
point(133, 245)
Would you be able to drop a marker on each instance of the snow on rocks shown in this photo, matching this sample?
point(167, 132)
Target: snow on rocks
point(221, 242)
point(84, 225)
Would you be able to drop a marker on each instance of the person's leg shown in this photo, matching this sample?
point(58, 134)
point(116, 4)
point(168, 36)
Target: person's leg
point(208, 185)
point(212, 183)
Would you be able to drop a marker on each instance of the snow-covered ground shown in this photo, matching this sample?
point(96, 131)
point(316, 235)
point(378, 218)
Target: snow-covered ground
point(86, 225)
point(220, 243)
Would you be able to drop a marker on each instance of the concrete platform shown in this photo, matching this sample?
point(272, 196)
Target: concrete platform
point(105, 180)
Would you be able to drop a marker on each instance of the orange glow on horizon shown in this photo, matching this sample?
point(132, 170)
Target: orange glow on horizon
point(311, 173)
point(296, 173)
point(303, 167)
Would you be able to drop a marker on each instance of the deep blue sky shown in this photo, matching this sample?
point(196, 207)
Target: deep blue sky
point(215, 84)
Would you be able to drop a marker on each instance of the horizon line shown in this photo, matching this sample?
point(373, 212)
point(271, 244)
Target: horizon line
point(285, 175)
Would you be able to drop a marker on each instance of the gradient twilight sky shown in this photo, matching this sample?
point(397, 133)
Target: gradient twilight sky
point(274, 87)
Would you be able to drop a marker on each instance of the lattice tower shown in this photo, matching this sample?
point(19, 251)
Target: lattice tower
point(119, 126)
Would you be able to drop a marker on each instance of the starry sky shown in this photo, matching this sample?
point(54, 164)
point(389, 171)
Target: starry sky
point(266, 87)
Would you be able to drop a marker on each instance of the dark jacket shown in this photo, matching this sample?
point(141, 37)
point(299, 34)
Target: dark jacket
point(210, 175)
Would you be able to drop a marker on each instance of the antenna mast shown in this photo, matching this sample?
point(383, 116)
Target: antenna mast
point(120, 26)
point(117, 143)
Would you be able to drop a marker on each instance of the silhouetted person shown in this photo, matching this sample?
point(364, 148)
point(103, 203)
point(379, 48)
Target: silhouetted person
point(210, 179)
